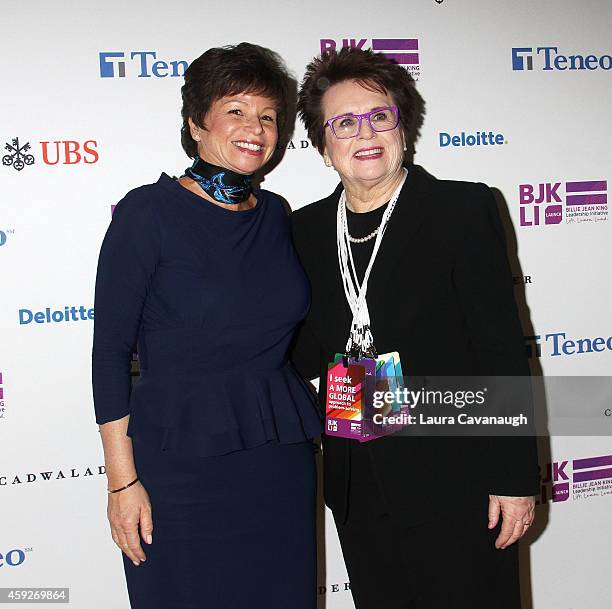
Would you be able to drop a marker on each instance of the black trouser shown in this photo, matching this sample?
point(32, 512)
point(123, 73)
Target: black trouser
point(446, 563)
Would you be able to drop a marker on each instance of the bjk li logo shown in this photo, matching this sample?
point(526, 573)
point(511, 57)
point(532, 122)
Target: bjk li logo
point(403, 51)
point(547, 204)
point(576, 480)
point(2, 407)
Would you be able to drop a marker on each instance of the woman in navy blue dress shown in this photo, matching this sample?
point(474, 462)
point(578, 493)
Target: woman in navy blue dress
point(209, 458)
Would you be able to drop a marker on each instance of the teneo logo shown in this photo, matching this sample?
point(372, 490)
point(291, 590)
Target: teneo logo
point(2, 406)
point(14, 558)
point(558, 345)
point(533, 348)
point(5, 234)
point(67, 314)
point(142, 63)
point(403, 51)
point(18, 156)
point(583, 479)
point(547, 203)
point(551, 59)
point(478, 138)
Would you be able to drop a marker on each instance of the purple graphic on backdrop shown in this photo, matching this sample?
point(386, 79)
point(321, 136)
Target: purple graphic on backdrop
point(2, 407)
point(545, 203)
point(397, 49)
point(583, 479)
point(404, 51)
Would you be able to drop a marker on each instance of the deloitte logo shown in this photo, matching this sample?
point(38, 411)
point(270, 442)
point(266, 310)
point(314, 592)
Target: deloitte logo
point(48, 316)
point(144, 63)
point(480, 138)
point(550, 59)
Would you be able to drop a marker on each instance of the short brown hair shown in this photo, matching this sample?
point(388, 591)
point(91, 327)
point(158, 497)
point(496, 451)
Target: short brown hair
point(229, 70)
point(369, 69)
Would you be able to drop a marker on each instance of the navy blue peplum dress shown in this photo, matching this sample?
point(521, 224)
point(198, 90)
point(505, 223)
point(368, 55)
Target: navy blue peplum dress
point(221, 423)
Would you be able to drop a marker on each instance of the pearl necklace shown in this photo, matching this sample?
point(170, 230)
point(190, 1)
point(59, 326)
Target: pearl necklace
point(366, 238)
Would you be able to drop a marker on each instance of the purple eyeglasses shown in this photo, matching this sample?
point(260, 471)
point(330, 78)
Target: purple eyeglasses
point(349, 125)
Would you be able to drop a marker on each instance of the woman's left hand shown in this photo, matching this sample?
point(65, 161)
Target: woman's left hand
point(517, 516)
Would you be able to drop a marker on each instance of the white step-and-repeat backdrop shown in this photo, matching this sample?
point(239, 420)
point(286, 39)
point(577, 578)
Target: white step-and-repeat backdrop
point(518, 95)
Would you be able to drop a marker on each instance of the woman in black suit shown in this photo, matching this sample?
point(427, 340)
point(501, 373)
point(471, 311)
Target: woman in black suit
point(423, 522)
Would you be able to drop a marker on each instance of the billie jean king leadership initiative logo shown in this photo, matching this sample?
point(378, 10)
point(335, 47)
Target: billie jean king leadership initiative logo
point(2, 406)
point(583, 479)
point(546, 204)
point(403, 51)
point(549, 59)
point(144, 64)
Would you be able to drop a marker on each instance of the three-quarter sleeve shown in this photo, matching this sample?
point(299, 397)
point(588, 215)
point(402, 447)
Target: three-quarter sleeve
point(483, 281)
point(127, 263)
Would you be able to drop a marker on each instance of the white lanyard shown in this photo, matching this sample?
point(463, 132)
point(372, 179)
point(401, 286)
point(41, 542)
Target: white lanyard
point(360, 339)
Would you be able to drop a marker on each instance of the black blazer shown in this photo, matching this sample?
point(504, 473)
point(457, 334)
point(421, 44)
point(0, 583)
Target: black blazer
point(441, 294)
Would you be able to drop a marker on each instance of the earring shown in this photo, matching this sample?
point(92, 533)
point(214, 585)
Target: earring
point(196, 138)
point(327, 161)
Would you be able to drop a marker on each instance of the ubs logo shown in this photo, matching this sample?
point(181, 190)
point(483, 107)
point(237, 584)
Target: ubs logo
point(18, 156)
point(52, 152)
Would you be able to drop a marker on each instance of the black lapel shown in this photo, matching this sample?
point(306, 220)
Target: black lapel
point(405, 221)
point(403, 225)
point(326, 272)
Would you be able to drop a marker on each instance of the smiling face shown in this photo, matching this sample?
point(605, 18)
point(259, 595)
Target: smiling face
point(240, 132)
point(369, 157)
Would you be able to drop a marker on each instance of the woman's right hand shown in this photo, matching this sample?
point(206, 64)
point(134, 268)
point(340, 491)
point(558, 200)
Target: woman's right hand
point(130, 517)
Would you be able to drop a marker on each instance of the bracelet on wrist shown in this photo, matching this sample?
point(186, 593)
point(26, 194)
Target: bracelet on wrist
point(123, 487)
